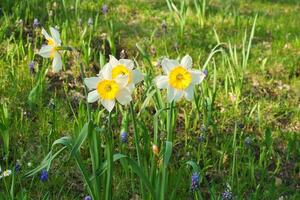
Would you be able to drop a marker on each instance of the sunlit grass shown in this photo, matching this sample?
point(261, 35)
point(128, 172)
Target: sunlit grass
point(238, 136)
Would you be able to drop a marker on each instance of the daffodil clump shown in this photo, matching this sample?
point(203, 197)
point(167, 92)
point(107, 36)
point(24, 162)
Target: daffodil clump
point(116, 82)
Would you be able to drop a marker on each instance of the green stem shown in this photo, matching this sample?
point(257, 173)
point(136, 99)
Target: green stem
point(169, 122)
point(94, 153)
point(170, 139)
point(136, 136)
point(136, 141)
point(85, 92)
point(108, 193)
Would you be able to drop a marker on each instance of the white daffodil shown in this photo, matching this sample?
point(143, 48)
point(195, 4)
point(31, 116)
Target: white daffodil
point(51, 50)
point(107, 89)
point(125, 67)
point(179, 79)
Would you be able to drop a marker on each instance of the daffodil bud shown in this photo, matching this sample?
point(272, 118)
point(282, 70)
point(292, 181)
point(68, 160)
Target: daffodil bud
point(155, 149)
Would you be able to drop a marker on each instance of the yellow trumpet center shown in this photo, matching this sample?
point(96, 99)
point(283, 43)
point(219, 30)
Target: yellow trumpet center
point(180, 78)
point(107, 89)
point(121, 70)
point(52, 43)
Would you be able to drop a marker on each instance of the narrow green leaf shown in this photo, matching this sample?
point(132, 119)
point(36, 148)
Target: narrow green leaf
point(168, 153)
point(81, 137)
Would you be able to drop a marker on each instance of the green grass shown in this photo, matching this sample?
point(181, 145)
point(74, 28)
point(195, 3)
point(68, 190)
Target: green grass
point(267, 91)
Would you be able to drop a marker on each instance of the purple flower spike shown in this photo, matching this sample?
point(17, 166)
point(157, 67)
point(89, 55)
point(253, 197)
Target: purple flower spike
point(36, 23)
point(195, 181)
point(104, 9)
point(88, 198)
point(31, 67)
point(201, 138)
point(124, 137)
point(227, 195)
point(205, 72)
point(44, 175)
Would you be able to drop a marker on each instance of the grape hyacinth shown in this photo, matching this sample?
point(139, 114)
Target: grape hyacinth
point(31, 67)
point(36, 23)
point(201, 138)
point(88, 198)
point(195, 181)
point(18, 167)
point(227, 195)
point(104, 9)
point(124, 137)
point(205, 72)
point(44, 175)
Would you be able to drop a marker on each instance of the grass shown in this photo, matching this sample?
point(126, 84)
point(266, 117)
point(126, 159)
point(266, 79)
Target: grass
point(256, 98)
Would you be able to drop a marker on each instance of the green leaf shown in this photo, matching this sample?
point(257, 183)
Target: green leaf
point(194, 166)
point(147, 100)
point(66, 141)
point(87, 128)
point(135, 168)
point(168, 153)
point(2, 127)
point(268, 138)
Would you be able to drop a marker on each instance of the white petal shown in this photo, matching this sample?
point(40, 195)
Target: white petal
point(113, 61)
point(178, 95)
point(91, 82)
point(122, 80)
point(168, 64)
point(189, 92)
point(106, 71)
point(108, 104)
point(45, 51)
point(44, 32)
point(93, 96)
point(127, 62)
point(130, 87)
point(161, 82)
point(137, 76)
point(171, 94)
point(57, 62)
point(197, 76)
point(55, 35)
point(187, 62)
point(124, 96)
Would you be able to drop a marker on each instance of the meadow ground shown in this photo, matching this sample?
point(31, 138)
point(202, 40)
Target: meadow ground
point(238, 138)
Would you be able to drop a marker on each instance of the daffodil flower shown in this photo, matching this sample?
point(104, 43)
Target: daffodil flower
point(179, 79)
point(5, 173)
point(125, 67)
point(107, 89)
point(51, 50)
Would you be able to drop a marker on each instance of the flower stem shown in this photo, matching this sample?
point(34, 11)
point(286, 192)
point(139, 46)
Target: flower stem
point(136, 136)
point(109, 149)
point(136, 140)
point(169, 122)
point(170, 139)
